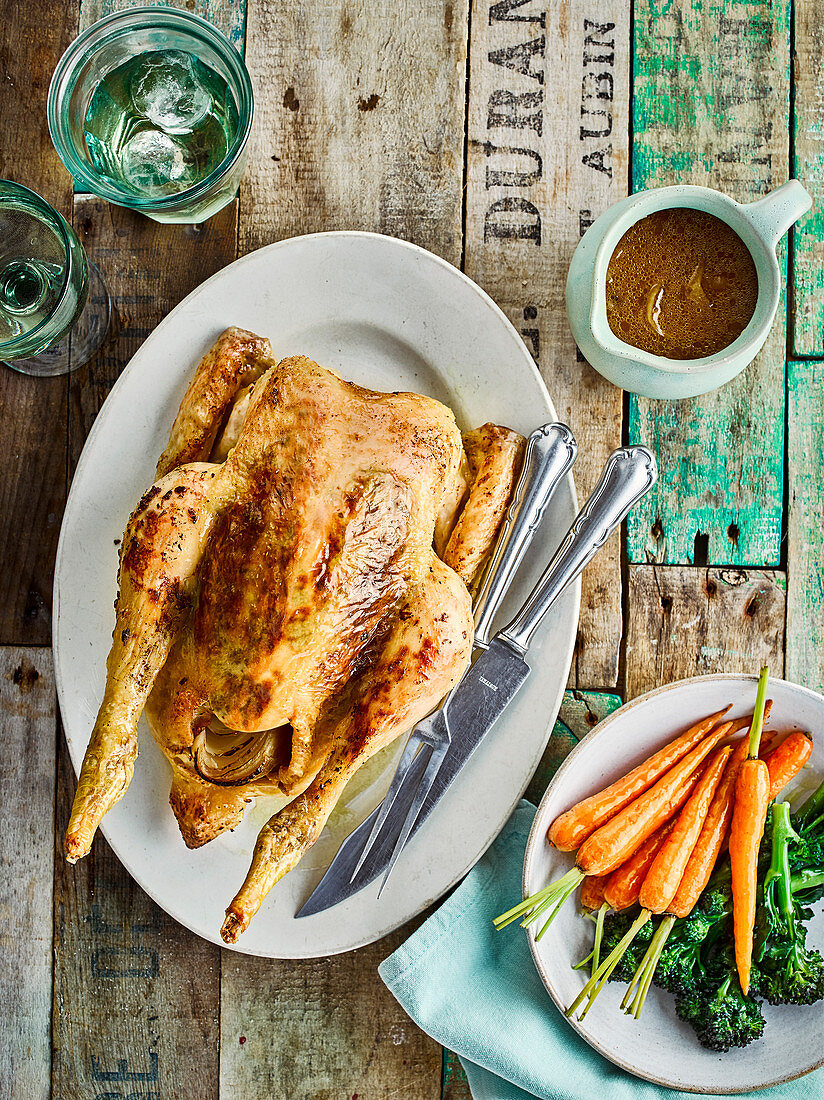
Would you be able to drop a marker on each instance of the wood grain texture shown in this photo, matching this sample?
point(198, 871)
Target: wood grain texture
point(805, 536)
point(455, 1084)
point(148, 268)
point(711, 96)
point(321, 1029)
point(692, 622)
point(135, 994)
point(33, 410)
point(807, 277)
point(228, 16)
point(359, 125)
point(28, 709)
point(547, 153)
point(360, 120)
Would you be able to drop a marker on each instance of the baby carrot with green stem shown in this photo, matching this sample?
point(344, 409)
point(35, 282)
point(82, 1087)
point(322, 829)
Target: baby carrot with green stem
point(615, 841)
point(664, 874)
point(752, 796)
point(624, 884)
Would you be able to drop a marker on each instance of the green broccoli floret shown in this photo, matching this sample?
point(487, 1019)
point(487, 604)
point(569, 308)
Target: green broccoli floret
point(790, 976)
point(786, 971)
point(721, 1017)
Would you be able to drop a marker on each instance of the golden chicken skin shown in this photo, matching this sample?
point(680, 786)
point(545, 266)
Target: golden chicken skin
point(293, 596)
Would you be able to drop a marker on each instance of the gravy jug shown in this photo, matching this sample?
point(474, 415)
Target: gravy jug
point(760, 225)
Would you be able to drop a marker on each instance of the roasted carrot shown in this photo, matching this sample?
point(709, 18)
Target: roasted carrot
point(624, 833)
point(572, 828)
point(787, 760)
point(752, 796)
point(711, 838)
point(592, 891)
point(624, 884)
point(667, 869)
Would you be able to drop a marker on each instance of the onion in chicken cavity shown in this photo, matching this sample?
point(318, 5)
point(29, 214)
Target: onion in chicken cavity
point(231, 758)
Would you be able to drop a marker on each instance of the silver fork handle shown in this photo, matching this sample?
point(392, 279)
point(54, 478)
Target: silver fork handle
point(550, 453)
point(630, 472)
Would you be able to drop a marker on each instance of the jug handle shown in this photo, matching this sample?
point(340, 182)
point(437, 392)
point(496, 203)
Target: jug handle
point(773, 215)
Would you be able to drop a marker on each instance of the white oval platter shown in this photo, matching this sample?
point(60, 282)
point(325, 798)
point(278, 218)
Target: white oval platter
point(390, 316)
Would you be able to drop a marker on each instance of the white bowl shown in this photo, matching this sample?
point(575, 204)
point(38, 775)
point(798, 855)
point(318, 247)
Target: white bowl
point(659, 1047)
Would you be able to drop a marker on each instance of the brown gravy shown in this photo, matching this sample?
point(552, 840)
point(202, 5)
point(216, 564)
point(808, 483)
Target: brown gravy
point(681, 284)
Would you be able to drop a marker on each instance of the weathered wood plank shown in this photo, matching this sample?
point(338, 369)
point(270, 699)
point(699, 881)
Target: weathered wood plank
point(148, 268)
point(228, 16)
point(691, 622)
point(455, 1084)
point(360, 121)
point(805, 553)
point(33, 486)
point(360, 125)
point(547, 153)
point(135, 994)
point(321, 1029)
point(711, 95)
point(807, 277)
point(27, 706)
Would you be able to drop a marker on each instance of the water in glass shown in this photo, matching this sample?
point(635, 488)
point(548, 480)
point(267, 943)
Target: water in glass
point(160, 123)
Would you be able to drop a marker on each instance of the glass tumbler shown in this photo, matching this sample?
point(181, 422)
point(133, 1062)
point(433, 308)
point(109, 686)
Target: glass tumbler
point(54, 307)
point(125, 77)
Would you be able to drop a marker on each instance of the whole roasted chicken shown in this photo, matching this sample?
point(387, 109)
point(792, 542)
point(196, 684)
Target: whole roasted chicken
point(293, 596)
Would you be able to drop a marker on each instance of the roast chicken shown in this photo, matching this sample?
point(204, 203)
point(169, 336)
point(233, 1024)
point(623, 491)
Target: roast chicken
point(294, 594)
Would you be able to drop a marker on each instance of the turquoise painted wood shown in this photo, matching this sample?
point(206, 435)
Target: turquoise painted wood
point(711, 106)
point(455, 1084)
point(808, 165)
point(228, 16)
point(805, 531)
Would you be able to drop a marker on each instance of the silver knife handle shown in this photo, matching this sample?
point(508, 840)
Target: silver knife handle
point(550, 452)
point(630, 472)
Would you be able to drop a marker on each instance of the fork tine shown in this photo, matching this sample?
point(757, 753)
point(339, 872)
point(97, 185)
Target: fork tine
point(435, 760)
point(405, 763)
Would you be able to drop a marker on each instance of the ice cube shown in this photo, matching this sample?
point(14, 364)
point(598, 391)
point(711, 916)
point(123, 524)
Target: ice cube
point(156, 164)
point(167, 91)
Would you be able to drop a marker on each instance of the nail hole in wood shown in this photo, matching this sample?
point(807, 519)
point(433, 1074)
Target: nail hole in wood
point(657, 530)
point(710, 587)
point(666, 604)
point(751, 606)
point(701, 549)
point(733, 533)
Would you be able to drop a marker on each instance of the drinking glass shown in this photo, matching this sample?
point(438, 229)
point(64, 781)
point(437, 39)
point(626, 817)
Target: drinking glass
point(52, 300)
point(151, 108)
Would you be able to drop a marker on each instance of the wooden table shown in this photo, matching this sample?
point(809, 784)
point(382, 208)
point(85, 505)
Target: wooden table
point(492, 133)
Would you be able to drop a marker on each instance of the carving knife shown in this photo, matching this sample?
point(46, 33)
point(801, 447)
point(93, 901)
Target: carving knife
point(492, 681)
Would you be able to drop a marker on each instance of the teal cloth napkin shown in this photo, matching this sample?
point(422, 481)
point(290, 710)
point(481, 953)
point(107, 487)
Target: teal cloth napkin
point(477, 992)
